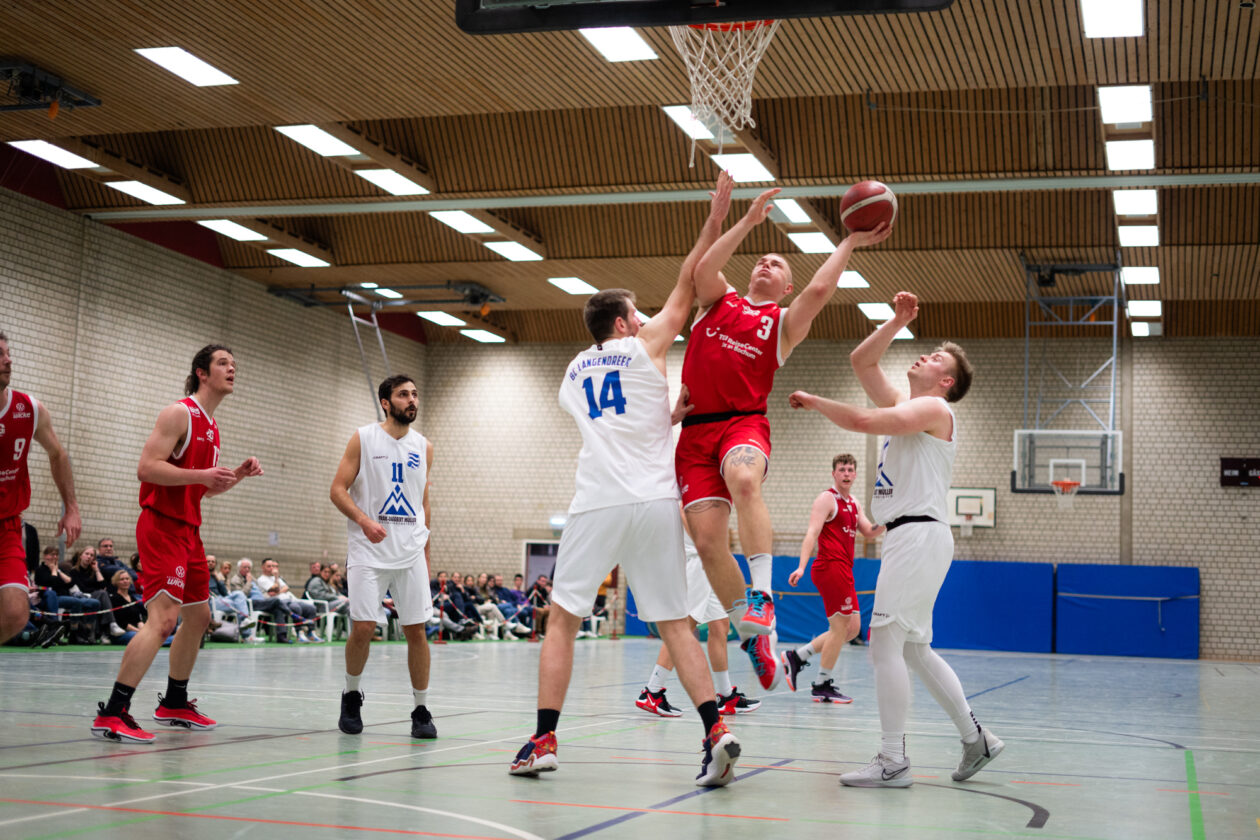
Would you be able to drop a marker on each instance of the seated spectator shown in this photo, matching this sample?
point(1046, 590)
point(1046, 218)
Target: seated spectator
point(493, 624)
point(274, 586)
point(514, 607)
point(540, 599)
point(85, 573)
point(129, 614)
point(135, 574)
point(106, 560)
point(44, 627)
point(321, 589)
point(447, 602)
point(59, 592)
point(315, 569)
point(337, 581)
point(280, 617)
point(225, 600)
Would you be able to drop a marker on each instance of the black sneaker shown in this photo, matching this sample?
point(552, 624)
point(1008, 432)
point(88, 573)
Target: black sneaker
point(422, 723)
point(736, 703)
point(350, 722)
point(792, 665)
point(826, 692)
point(656, 703)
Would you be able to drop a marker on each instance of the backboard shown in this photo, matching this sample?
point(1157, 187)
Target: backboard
point(980, 503)
point(1091, 456)
point(489, 17)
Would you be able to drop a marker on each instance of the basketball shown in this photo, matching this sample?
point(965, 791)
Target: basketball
point(866, 205)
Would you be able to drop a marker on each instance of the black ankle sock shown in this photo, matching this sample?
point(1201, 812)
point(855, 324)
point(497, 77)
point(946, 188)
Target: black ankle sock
point(547, 721)
point(119, 699)
point(176, 693)
point(708, 715)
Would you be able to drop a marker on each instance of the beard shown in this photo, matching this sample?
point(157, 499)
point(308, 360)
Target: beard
point(406, 416)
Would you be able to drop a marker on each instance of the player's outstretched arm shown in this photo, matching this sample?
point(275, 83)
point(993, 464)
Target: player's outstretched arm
point(658, 333)
point(428, 482)
point(710, 284)
point(818, 513)
point(59, 463)
point(339, 493)
point(921, 414)
point(168, 431)
point(800, 316)
point(865, 358)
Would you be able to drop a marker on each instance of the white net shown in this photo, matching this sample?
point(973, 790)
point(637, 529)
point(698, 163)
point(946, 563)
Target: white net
point(721, 62)
point(1064, 492)
point(967, 528)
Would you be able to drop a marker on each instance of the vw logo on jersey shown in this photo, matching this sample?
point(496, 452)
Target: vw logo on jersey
point(413, 460)
point(179, 572)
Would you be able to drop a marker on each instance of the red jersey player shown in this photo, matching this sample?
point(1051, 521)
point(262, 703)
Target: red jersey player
point(178, 466)
point(835, 520)
point(723, 454)
point(22, 419)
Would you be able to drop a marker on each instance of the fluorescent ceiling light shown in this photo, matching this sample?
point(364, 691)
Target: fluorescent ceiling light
point(1112, 18)
point(852, 280)
point(484, 336)
point(692, 127)
point(52, 154)
point(1135, 202)
point(1125, 104)
point(678, 338)
point(876, 311)
point(317, 140)
point(812, 243)
point(794, 212)
point(297, 257)
point(187, 66)
point(572, 285)
point(232, 230)
point(366, 285)
point(514, 251)
point(903, 334)
point(1144, 275)
point(643, 316)
point(743, 167)
point(391, 181)
point(1139, 236)
point(1130, 154)
point(442, 319)
point(1140, 329)
point(619, 43)
point(461, 221)
point(558, 520)
point(1145, 309)
point(388, 293)
point(144, 192)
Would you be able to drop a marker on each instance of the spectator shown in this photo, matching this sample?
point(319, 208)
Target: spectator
point(337, 581)
point(135, 574)
point(129, 614)
point(321, 589)
point(281, 618)
point(58, 590)
point(494, 625)
point(315, 569)
point(86, 574)
point(225, 600)
point(540, 599)
point(274, 586)
point(106, 560)
point(514, 607)
point(445, 595)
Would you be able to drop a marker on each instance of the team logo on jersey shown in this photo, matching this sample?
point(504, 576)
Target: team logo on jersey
point(20, 411)
point(712, 331)
point(413, 460)
point(397, 508)
point(179, 572)
point(194, 411)
point(848, 604)
point(1, 430)
point(210, 435)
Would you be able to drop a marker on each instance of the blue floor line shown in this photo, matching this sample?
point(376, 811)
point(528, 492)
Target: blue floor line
point(996, 687)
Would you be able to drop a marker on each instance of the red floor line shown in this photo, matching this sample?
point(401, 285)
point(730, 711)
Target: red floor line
point(251, 820)
point(649, 810)
point(1056, 784)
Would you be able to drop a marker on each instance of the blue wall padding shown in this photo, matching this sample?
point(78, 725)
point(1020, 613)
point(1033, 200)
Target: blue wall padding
point(995, 605)
point(1120, 627)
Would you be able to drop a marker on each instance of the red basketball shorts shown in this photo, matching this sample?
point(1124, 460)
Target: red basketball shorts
point(834, 581)
point(703, 447)
point(172, 559)
point(12, 555)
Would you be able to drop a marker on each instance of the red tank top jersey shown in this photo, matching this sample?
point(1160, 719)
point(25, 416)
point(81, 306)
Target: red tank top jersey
point(17, 428)
point(732, 355)
point(835, 542)
point(200, 451)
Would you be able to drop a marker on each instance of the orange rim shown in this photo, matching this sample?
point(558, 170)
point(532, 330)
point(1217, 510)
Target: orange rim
point(731, 27)
point(1066, 486)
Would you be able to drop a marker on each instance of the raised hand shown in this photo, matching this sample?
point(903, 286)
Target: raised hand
point(906, 306)
point(720, 202)
point(761, 206)
point(867, 238)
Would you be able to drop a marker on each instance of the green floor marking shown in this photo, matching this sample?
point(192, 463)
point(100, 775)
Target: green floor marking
point(1196, 808)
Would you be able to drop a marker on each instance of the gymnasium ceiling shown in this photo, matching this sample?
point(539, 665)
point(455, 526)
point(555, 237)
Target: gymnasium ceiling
point(965, 112)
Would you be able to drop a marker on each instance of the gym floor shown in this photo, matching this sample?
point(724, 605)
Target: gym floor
point(1096, 747)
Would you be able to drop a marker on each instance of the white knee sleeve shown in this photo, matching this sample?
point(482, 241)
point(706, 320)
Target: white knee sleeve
point(941, 680)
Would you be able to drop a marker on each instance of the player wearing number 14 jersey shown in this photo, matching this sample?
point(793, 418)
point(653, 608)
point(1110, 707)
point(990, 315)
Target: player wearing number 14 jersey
point(179, 465)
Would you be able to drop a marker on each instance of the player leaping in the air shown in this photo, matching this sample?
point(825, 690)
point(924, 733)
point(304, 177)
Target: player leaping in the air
point(723, 455)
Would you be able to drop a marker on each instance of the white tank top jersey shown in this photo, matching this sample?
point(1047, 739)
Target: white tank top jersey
point(390, 489)
point(913, 475)
point(621, 404)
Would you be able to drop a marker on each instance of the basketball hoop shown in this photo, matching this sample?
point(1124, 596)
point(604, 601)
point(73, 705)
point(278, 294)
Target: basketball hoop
point(1065, 490)
point(967, 527)
point(721, 61)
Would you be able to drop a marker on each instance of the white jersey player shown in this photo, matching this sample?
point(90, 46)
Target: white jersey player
point(910, 486)
point(382, 487)
point(625, 506)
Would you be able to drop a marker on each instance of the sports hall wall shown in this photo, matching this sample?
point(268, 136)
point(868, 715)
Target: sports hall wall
point(103, 326)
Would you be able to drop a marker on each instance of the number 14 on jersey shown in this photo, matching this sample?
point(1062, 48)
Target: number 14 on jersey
point(610, 397)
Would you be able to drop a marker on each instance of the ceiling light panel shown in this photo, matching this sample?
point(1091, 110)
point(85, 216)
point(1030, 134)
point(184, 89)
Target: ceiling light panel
point(852, 280)
point(744, 168)
point(144, 192)
point(1135, 202)
point(461, 221)
point(619, 43)
point(187, 66)
point(794, 212)
point(232, 230)
point(317, 140)
point(876, 311)
point(514, 251)
point(572, 285)
point(692, 127)
point(812, 243)
point(1145, 309)
point(297, 257)
point(1142, 275)
point(1130, 154)
point(442, 319)
point(1125, 104)
point(1112, 18)
point(391, 181)
point(1139, 236)
point(483, 336)
point(52, 154)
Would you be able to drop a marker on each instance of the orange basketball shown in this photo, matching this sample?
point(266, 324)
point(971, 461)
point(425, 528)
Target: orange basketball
point(866, 205)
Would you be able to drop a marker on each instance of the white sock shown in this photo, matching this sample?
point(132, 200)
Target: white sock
point(722, 683)
point(823, 676)
point(657, 680)
point(892, 686)
point(760, 568)
point(806, 650)
point(943, 683)
point(352, 682)
point(421, 695)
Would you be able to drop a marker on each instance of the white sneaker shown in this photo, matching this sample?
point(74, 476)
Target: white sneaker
point(303, 638)
point(977, 755)
point(881, 772)
point(247, 622)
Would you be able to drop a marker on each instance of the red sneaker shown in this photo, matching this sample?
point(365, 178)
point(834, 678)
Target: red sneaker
point(758, 618)
point(760, 650)
point(537, 756)
point(721, 749)
point(186, 716)
point(119, 727)
point(656, 704)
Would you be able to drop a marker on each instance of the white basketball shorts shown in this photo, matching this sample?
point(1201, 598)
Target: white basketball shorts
point(702, 603)
point(644, 538)
point(408, 587)
point(913, 566)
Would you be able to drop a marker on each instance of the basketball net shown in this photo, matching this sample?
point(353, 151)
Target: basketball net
point(967, 527)
point(1064, 492)
point(721, 61)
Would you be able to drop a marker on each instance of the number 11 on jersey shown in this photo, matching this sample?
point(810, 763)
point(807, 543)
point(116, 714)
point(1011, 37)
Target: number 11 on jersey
point(609, 395)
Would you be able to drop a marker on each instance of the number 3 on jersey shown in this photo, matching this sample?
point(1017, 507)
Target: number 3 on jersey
point(609, 395)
